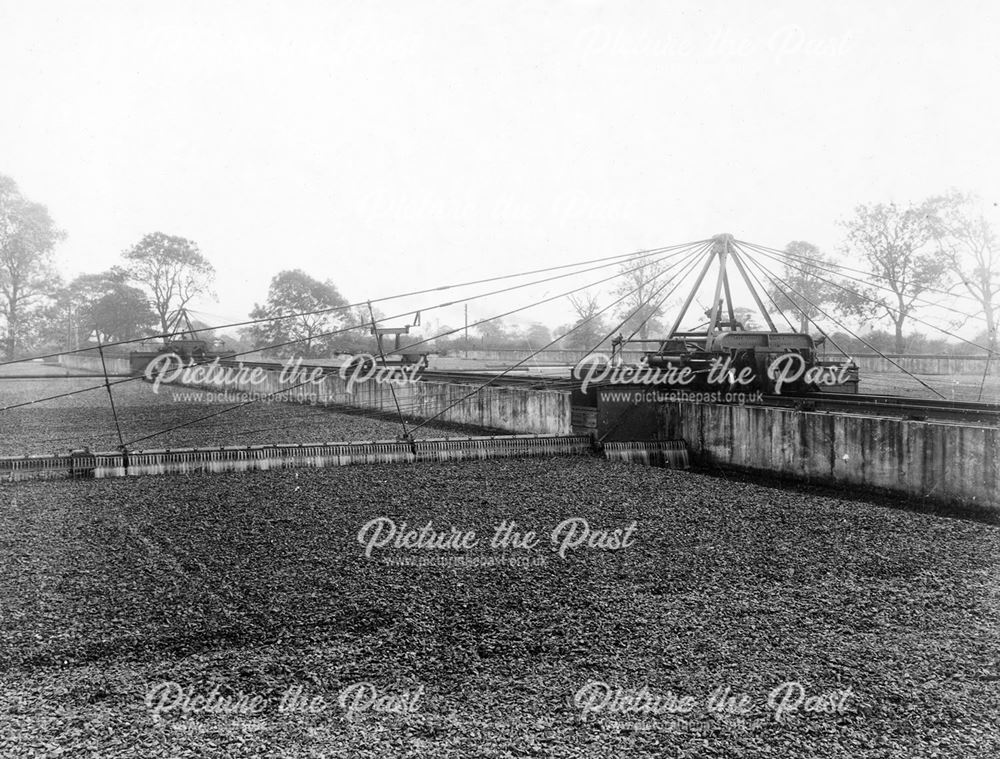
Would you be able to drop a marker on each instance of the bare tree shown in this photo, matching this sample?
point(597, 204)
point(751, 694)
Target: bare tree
point(493, 333)
point(588, 329)
point(640, 287)
point(537, 335)
point(103, 302)
point(898, 245)
point(968, 244)
point(27, 237)
point(172, 269)
point(302, 311)
point(804, 287)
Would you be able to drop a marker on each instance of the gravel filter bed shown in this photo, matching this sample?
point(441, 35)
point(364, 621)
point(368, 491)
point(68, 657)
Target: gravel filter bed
point(257, 583)
point(85, 419)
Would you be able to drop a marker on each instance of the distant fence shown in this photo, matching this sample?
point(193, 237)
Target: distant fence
point(928, 364)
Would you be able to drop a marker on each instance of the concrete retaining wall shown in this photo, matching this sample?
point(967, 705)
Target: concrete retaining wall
point(945, 463)
point(505, 358)
point(91, 362)
point(510, 409)
point(503, 408)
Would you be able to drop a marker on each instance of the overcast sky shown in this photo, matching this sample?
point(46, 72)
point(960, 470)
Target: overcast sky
point(394, 145)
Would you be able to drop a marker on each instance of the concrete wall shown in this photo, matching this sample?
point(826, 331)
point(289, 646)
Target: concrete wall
point(505, 358)
point(510, 409)
point(91, 362)
point(945, 463)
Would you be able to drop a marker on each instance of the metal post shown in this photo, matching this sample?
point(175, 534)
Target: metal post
point(690, 297)
point(753, 292)
point(713, 318)
point(729, 298)
point(986, 372)
point(111, 397)
point(395, 400)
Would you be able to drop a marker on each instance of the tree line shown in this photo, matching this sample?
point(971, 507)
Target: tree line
point(906, 266)
point(922, 255)
point(40, 312)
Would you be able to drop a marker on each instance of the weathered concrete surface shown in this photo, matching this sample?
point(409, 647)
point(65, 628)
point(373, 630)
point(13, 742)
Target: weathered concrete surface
point(510, 409)
point(945, 463)
point(505, 358)
point(91, 362)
